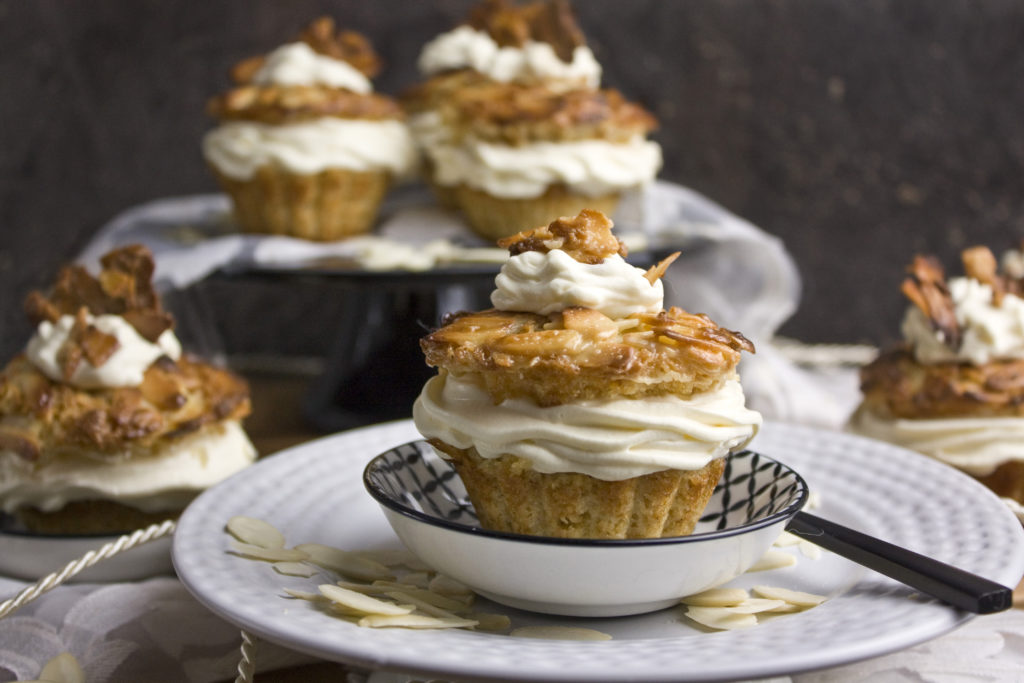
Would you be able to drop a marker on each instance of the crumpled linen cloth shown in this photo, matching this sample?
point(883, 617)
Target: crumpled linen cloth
point(738, 274)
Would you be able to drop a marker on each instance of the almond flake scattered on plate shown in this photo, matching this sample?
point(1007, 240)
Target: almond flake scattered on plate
point(559, 633)
point(255, 532)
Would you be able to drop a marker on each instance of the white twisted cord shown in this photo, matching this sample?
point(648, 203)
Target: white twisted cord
point(108, 550)
point(247, 665)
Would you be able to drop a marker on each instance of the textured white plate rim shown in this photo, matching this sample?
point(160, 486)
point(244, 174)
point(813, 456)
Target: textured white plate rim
point(220, 581)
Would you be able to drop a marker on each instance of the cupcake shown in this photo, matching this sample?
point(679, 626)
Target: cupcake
point(513, 127)
point(577, 407)
point(954, 389)
point(105, 425)
point(305, 147)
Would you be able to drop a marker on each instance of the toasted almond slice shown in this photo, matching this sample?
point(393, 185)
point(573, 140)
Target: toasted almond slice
point(305, 595)
point(786, 539)
point(445, 585)
point(255, 532)
point(721, 618)
point(360, 602)
point(295, 569)
point(413, 621)
point(442, 601)
point(716, 597)
point(348, 564)
point(63, 668)
point(417, 579)
point(798, 598)
point(490, 622)
point(559, 633)
point(255, 552)
point(421, 605)
point(773, 559)
point(810, 550)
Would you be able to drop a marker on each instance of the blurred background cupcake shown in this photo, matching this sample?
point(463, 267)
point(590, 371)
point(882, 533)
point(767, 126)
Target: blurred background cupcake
point(513, 127)
point(305, 147)
point(955, 389)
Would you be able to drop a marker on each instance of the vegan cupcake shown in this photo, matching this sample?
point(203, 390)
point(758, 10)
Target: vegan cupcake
point(954, 390)
point(577, 407)
point(305, 147)
point(513, 127)
point(105, 425)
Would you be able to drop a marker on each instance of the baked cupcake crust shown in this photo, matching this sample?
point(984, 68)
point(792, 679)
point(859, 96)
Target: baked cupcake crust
point(279, 104)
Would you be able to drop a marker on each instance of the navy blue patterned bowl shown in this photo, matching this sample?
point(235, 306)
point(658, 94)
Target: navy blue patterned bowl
point(426, 504)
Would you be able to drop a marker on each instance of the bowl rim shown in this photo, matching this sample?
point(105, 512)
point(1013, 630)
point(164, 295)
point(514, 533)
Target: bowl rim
point(778, 516)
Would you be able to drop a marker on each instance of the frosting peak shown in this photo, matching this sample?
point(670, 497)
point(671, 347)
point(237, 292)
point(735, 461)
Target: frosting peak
point(299, 64)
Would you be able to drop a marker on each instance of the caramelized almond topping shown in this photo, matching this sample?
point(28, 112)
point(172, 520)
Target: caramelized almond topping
point(511, 25)
point(657, 271)
point(587, 237)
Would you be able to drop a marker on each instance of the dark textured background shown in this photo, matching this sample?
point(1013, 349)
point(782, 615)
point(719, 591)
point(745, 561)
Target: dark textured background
point(858, 132)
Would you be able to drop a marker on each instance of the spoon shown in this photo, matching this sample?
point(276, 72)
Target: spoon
point(961, 589)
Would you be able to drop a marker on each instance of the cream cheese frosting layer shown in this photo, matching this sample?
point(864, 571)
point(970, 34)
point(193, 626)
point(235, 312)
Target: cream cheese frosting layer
point(990, 332)
point(299, 64)
point(976, 445)
point(544, 283)
point(125, 368)
point(166, 481)
point(592, 168)
point(611, 440)
point(237, 149)
point(467, 48)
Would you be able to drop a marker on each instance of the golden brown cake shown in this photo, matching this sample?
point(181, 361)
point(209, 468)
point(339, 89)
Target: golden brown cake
point(578, 407)
point(104, 424)
point(954, 389)
point(514, 127)
point(304, 147)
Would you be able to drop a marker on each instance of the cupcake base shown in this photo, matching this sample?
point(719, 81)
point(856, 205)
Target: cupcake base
point(90, 517)
point(510, 496)
point(494, 218)
point(326, 206)
point(1007, 480)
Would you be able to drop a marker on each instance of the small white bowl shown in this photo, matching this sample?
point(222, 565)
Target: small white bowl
point(426, 504)
point(31, 556)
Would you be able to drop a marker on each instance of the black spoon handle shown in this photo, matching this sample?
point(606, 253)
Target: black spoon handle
point(959, 588)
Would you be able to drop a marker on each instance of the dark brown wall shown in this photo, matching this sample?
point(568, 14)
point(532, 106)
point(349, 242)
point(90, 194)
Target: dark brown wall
point(858, 132)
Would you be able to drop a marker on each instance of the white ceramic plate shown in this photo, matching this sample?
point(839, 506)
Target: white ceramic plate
point(314, 493)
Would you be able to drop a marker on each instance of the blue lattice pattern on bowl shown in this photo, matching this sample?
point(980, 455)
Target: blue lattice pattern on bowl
point(427, 506)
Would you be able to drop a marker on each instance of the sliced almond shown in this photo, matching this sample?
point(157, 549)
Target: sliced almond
point(256, 552)
point(417, 579)
point(773, 559)
point(63, 668)
point(353, 565)
point(810, 550)
point(421, 605)
point(490, 622)
point(559, 633)
point(364, 588)
point(394, 558)
point(786, 539)
point(295, 569)
point(442, 601)
point(445, 585)
point(716, 597)
point(798, 598)
point(255, 532)
point(756, 605)
point(360, 602)
point(305, 595)
point(413, 621)
point(721, 618)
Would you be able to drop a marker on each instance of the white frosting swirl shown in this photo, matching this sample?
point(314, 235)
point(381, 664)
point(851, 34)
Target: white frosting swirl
point(611, 439)
point(237, 149)
point(592, 168)
point(163, 482)
point(466, 48)
point(989, 332)
point(976, 445)
point(299, 64)
point(545, 283)
point(125, 368)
